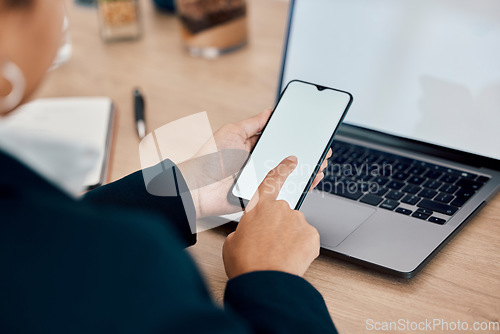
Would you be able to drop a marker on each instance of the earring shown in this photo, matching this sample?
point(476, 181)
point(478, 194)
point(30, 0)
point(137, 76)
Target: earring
point(13, 74)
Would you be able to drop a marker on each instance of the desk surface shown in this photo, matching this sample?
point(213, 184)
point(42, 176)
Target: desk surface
point(462, 283)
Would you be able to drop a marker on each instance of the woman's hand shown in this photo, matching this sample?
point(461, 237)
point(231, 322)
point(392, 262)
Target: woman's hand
point(270, 235)
point(210, 176)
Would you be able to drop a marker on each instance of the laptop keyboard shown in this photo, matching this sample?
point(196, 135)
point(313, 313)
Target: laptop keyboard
point(407, 186)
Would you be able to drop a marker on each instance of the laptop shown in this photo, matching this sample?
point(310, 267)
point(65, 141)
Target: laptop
point(418, 154)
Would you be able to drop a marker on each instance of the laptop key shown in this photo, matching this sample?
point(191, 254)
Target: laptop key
point(468, 184)
point(371, 199)
point(465, 193)
point(436, 168)
point(356, 154)
point(401, 176)
point(432, 184)
point(395, 185)
point(387, 161)
point(378, 190)
point(433, 174)
point(444, 198)
point(404, 211)
point(345, 188)
point(420, 215)
point(389, 204)
point(417, 170)
point(437, 220)
point(448, 178)
point(366, 177)
point(462, 196)
point(339, 160)
point(394, 194)
point(339, 147)
point(453, 172)
point(469, 176)
point(363, 186)
point(483, 179)
point(448, 188)
point(401, 166)
point(427, 193)
point(438, 207)
point(425, 211)
point(380, 180)
point(348, 194)
point(416, 180)
point(411, 199)
point(411, 189)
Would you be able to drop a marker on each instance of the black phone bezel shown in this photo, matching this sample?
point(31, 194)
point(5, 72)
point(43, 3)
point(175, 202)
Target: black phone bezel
point(232, 199)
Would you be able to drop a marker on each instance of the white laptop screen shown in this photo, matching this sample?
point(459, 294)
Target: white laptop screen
point(427, 70)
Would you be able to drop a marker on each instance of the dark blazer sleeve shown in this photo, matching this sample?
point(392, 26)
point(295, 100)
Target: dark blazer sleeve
point(85, 267)
point(257, 302)
point(277, 302)
point(160, 189)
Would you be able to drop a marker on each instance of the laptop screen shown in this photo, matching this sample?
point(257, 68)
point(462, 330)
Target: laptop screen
point(427, 70)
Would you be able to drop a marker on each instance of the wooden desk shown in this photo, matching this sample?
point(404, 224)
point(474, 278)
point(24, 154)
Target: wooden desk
point(461, 283)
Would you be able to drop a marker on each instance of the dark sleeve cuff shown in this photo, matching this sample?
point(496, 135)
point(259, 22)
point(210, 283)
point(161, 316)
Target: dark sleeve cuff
point(160, 189)
point(277, 302)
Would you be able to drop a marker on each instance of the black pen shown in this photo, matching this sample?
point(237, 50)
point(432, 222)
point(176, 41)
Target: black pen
point(139, 109)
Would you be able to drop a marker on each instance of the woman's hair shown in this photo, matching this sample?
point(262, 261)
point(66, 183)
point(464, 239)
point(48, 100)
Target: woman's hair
point(15, 3)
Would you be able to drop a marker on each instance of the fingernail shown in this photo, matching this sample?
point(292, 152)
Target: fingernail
point(292, 159)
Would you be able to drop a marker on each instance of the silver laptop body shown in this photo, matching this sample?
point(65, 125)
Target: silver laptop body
point(425, 77)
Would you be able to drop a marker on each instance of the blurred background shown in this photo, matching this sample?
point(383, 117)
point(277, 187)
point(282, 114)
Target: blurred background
point(155, 56)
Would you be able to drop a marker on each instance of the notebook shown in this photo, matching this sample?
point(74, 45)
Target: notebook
point(87, 120)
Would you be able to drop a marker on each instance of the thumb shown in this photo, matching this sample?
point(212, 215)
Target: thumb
point(255, 124)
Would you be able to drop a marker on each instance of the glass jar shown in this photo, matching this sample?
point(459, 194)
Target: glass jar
point(212, 27)
point(119, 19)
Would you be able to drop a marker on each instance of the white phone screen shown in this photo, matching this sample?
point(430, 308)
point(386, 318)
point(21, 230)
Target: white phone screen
point(302, 124)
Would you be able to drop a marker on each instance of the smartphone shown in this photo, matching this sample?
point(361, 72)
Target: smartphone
point(303, 124)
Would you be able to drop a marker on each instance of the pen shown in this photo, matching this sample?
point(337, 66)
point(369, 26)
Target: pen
point(139, 109)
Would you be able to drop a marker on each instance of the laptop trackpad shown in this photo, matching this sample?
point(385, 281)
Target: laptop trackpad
point(334, 217)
